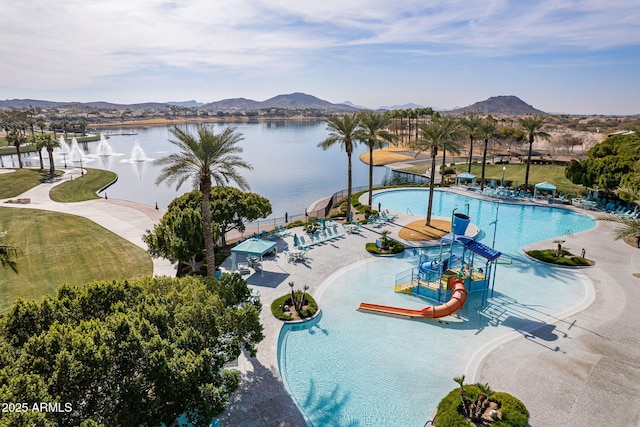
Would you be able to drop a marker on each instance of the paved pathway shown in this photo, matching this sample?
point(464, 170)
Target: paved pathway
point(589, 375)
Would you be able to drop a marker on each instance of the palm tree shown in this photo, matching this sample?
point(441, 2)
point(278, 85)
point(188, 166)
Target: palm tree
point(412, 113)
point(40, 145)
point(51, 144)
point(471, 123)
point(486, 130)
point(532, 125)
point(629, 228)
point(16, 138)
point(346, 131)
point(205, 158)
point(375, 127)
point(460, 381)
point(8, 254)
point(384, 236)
point(440, 133)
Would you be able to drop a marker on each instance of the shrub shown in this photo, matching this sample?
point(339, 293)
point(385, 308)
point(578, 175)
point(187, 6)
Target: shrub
point(298, 223)
point(395, 249)
point(514, 412)
point(548, 255)
point(448, 414)
point(277, 307)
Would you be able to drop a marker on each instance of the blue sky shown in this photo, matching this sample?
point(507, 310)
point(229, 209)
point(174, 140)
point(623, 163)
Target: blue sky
point(580, 57)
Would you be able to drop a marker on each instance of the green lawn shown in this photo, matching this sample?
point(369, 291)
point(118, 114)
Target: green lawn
point(15, 183)
point(515, 172)
point(82, 188)
point(59, 248)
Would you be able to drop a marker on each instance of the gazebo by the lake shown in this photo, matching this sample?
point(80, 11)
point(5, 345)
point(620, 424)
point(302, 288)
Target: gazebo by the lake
point(544, 186)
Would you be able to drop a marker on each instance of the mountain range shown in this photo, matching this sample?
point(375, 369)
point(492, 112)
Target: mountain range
point(509, 105)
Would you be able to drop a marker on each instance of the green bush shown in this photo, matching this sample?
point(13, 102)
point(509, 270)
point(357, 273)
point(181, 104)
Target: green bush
point(548, 255)
point(395, 249)
point(514, 412)
point(448, 414)
point(277, 307)
point(298, 223)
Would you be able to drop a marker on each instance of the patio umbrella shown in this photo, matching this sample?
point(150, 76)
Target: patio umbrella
point(350, 216)
point(295, 240)
point(286, 217)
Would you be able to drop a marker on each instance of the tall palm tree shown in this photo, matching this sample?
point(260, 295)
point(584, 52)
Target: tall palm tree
point(487, 130)
point(16, 138)
point(346, 131)
point(8, 254)
point(470, 123)
point(40, 145)
point(440, 133)
point(413, 113)
point(532, 125)
point(376, 133)
point(51, 144)
point(205, 158)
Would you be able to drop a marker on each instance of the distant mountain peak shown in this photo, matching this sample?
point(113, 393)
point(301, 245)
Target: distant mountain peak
point(409, 106)
point(290, 101)
point(505, 104)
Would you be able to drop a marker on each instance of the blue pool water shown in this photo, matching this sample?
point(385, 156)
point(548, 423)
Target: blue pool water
point(349, 368)
point(518, 225)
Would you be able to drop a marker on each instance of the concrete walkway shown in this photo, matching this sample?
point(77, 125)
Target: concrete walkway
point(588, 372)
point(589, 376)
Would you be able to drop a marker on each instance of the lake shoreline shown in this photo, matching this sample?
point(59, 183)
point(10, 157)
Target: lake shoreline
point(197, 120)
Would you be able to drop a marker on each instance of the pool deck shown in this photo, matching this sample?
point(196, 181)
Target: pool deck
point(587, 374)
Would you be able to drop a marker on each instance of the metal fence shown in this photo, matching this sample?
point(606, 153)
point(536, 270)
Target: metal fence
point(257, 227)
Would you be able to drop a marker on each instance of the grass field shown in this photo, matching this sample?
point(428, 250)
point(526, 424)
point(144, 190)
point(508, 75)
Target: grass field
point(82, 188)
point(15, 183)
point(515, 173)
point(59, 248)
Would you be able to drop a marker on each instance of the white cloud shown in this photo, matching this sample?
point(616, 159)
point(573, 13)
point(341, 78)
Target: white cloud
point(82, 43)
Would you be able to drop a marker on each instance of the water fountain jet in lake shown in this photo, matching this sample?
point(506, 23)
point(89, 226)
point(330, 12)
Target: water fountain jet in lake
point(104, 148)
point(77, 155)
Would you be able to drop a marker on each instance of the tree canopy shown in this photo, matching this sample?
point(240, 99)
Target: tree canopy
point(179, 236)
point(123, 353)
point(205, 158)
point(609, 164)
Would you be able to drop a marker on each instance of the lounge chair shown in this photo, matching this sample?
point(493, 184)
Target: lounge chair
point(330, 234)
point(315, 238)
point(264, 235)
point(337, 232)
point(387, 215)
point(377, 222)
point(281, 231)
point(303, 243)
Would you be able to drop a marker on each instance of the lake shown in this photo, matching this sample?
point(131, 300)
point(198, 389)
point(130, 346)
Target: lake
point(288, 167)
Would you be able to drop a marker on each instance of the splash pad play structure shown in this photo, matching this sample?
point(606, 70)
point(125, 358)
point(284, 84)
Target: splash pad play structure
point(462, 265)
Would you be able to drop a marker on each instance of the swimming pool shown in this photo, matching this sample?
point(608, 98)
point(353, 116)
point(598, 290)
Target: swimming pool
point(349, 368)
point(518, 225)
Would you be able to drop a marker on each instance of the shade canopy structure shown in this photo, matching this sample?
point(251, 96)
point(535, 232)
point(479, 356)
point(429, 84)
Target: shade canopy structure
point(544, 186)
point(466, 176)
point(254, 246)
